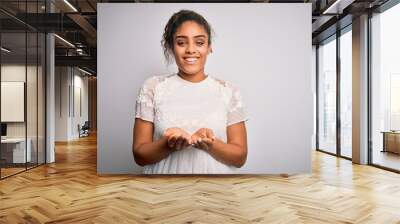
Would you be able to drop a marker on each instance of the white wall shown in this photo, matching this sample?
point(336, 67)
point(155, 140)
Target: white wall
point(79, 117)
point(61, 103)
point(67, 81)
point(263, 48)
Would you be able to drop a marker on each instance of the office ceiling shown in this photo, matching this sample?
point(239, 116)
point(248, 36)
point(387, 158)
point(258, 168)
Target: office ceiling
point(76, 22)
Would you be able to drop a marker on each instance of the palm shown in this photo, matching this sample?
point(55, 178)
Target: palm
point(177, 138)
point(203, 138)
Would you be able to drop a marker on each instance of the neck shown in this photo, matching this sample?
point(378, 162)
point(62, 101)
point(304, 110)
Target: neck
point(198, 77)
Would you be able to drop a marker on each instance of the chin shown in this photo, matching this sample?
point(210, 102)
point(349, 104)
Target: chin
point(190, 71)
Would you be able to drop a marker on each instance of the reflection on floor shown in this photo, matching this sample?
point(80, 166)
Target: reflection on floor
point(386, 159)
point(10, 169)
point(346, 152)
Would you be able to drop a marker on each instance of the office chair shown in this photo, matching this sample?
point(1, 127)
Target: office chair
point(84, 130)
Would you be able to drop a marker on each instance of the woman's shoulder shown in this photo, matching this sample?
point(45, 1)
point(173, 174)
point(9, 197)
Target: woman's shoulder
point(224, 84)
point(153, 81)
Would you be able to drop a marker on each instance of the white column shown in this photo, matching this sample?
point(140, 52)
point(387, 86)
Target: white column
point(50, 92)
point(360, 90)
point(50, 100)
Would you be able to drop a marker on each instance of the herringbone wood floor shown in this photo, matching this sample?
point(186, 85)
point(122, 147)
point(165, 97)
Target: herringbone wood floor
point(70, 191)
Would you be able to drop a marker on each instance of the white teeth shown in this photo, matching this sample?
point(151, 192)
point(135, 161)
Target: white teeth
point(190, 59)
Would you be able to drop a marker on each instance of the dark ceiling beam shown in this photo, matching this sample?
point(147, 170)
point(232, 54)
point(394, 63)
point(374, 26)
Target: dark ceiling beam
point(87, 51)
point(328, 14)
point(16, 18)
point(332, 28)
point(57, 22)
point(49, 22)
point(82, 61)
point(91, 5)
point(320, 23)
point(11, 25)
point(84, 24)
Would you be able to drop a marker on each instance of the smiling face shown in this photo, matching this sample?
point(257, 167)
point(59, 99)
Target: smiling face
point(191, 48)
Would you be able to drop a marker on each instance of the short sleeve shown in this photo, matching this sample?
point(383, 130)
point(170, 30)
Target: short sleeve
point(144, 108)
point(236, 108)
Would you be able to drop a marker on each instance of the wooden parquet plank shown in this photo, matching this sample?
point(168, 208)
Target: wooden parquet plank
point(70, 191)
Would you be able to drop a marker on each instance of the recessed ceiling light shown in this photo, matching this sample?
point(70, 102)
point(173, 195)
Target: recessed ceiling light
point(84, 71)
point(5, 50)
point(70, 5)
point(329, 9)
point(64, 40)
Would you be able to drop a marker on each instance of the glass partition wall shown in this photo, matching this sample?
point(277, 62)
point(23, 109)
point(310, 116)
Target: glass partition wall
point(385, 89)
point(334, 106)
point(327, 95)
point(345, 61)
point(22, 88)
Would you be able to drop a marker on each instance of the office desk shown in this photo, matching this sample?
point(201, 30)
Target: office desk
point(13, 150)
point(391, 141)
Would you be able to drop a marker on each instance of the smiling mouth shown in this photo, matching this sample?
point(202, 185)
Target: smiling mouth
point(190, 60)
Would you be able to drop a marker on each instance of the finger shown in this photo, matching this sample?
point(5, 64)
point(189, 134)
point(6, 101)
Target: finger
point(199, 143)
point(166, 131)
point(194, 139)
point(165, 134)
point(186, 142)
point(210, 133)
point(208, 141)
point(172, 141)
point(171, 144)
point(182, 142)
point(196, 145)
point(178, 144)
point(200, 132)
point(203, 145)
point(191, 140)
point(169, 132)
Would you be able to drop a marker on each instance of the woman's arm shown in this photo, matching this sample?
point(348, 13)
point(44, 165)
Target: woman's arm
point(144, 149)
point(234, 152)
point(147, 152)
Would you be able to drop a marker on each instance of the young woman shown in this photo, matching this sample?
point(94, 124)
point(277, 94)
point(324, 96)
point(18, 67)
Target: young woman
point(189, 122)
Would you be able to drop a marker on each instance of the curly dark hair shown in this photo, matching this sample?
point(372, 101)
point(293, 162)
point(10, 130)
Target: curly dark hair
point(176, 20)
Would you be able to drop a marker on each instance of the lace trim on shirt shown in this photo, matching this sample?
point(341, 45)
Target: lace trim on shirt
point(144, 107)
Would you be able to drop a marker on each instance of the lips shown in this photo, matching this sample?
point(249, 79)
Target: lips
point(191, 60)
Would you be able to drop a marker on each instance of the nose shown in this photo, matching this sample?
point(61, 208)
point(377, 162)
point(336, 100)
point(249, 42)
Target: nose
point(190, 49)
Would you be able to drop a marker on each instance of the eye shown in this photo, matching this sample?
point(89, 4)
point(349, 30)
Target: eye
point(200, 43)
point(180, 43)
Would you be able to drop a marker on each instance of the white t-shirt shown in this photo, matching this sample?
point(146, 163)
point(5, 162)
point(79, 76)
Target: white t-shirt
point(171, 101)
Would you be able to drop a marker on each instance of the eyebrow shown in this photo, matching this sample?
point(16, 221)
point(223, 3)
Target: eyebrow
point(187, 37)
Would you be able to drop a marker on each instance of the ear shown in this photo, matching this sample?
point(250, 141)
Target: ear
point(210, 50)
